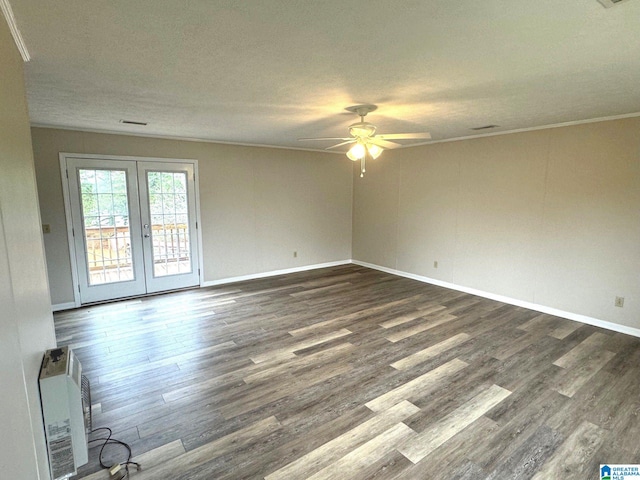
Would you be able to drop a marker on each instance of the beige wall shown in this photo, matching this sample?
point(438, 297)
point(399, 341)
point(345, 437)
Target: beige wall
point(258, 205)
point(26, 324)
point(550, 217)
point(547, 217)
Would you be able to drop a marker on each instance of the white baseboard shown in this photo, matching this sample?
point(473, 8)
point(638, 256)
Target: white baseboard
point(273, 273)
point(69, 305)
point(63, 306)
point(500, 298)
point(512, 301)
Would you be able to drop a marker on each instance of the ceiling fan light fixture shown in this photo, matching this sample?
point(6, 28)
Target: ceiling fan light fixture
point(374, 150)
point(356, 152)
point(364, 141)
point(362, 129)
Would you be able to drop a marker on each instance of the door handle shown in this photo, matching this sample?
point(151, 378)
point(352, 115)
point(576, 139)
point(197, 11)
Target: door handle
point(146, 235)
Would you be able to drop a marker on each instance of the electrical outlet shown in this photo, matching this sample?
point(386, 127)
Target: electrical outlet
point(46, 228)
point(295, 254)
point(619, 302)
point(435, 264)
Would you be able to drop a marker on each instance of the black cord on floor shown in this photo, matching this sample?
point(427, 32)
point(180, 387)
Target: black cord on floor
point(108, 440)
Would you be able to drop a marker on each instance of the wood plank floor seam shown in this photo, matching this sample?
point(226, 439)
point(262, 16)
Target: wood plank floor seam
point(337, 448)
point(348, 372)
point(423, 444)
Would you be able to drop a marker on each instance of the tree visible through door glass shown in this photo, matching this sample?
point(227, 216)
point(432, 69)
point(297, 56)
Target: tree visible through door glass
point(105, 213)
point(169, 210)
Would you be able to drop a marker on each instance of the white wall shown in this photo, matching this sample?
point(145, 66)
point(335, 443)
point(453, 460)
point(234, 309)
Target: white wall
point(258, 205)
point(26, 324)
point(549, 217)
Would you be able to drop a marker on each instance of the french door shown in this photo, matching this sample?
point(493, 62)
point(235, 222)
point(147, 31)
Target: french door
point(133, 226)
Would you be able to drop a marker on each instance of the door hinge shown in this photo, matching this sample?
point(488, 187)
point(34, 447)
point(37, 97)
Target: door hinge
point(196, 225)
point(73, 232)
point(67, 172)
point(78, 288)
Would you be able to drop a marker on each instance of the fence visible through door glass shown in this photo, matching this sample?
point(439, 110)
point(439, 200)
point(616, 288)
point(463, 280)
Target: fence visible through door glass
point(105, 211)
point(137, 220)
point(169, 230)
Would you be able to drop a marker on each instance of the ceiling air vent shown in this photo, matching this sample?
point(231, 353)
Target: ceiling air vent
point(133, 122)
point(610, 3)
point(486, 127)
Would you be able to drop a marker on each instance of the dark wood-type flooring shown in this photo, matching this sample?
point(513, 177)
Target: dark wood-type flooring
point(352, 373)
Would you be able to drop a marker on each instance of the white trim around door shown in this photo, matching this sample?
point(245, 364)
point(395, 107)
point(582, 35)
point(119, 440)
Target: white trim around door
point(191, 269)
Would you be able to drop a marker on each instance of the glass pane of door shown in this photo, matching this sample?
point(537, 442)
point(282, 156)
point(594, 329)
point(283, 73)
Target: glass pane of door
point(168, 207)
point(168, 212)
point(105, 214)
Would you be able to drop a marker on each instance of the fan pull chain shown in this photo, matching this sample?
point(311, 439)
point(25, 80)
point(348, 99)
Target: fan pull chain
point(362, 169)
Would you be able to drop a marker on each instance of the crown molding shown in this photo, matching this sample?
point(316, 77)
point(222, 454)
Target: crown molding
point(420, 144)
point(531, 129)
point(176, 137)
point(7, 11)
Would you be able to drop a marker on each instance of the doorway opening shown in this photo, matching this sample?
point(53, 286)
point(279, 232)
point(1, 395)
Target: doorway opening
point(133, 225)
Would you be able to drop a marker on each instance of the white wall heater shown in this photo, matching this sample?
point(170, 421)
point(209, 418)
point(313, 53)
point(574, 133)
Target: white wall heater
point(66, 410)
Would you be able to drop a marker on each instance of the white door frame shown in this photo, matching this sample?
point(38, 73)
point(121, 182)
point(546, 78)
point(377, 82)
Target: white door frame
point(63, 156)
point(169, 281)
point(107, 290)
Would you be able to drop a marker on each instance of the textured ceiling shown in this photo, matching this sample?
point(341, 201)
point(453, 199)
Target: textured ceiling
point(269, 72)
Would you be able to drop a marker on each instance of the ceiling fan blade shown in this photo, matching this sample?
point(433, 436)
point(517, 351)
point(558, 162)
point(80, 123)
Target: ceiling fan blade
point(325, 138)
point(383, 143)
point(340, 144)
point(404, 136)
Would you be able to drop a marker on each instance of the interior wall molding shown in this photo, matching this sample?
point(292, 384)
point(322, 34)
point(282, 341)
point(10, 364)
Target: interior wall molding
point(511, 301)
point(418, 144)
point(273, 273)
point(58, 307)
point(531, 129)
point(179, 139)
point(223, 281)
point(432, 281)
point(7, 11)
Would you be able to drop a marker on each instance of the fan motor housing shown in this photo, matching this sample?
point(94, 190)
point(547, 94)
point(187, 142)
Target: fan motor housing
point(362, 129)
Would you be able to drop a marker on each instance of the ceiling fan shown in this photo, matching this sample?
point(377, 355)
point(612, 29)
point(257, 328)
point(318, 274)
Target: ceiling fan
point(364, 139)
